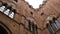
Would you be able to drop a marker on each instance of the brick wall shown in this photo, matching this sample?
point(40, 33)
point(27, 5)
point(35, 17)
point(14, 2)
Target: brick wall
point(24, 10)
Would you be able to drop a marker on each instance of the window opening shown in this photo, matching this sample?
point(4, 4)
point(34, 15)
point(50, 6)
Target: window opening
point(11, 15)
point(7, 10)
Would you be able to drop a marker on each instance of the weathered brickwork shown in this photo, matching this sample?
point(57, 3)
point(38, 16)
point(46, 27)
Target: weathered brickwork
point(25, 13)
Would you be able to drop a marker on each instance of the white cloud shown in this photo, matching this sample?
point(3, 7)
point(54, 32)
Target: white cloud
point(35, 3)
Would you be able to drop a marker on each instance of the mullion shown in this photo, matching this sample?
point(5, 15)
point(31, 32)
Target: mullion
point(35, 29)
point(50, 29)
point(57, 24)
point(54, 27)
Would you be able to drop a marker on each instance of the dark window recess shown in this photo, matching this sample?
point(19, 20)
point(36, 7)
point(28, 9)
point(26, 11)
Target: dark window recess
point(9, 7)
point(16, 0)
point(54, 19)
point(29, 24)
point(31, 13)
point(4, 4)
point(42, 14)
point(2, 30)
point(14, 10)
point(57, 24)
point(30, 6)
point(33, 27)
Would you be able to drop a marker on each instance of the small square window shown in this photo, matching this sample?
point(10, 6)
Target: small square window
point(11, 15)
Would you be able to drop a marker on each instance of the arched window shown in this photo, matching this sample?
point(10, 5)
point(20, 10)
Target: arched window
point(31, 25)
point(2, 30)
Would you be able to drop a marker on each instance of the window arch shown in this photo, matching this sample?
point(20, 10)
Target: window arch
point(4, 29)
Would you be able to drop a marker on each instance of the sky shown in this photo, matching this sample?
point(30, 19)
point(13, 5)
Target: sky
point(35, 3)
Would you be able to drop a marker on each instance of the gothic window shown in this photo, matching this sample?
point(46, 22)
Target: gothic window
point(54, 26)
point(31, 26)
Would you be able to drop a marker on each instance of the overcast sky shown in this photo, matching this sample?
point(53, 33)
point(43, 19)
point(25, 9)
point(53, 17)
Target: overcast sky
point(35, 3)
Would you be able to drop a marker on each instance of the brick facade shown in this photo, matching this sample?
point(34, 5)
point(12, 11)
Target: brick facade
point(24, 13)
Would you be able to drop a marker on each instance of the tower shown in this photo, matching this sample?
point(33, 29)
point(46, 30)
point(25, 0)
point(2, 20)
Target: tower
point(18, 17)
